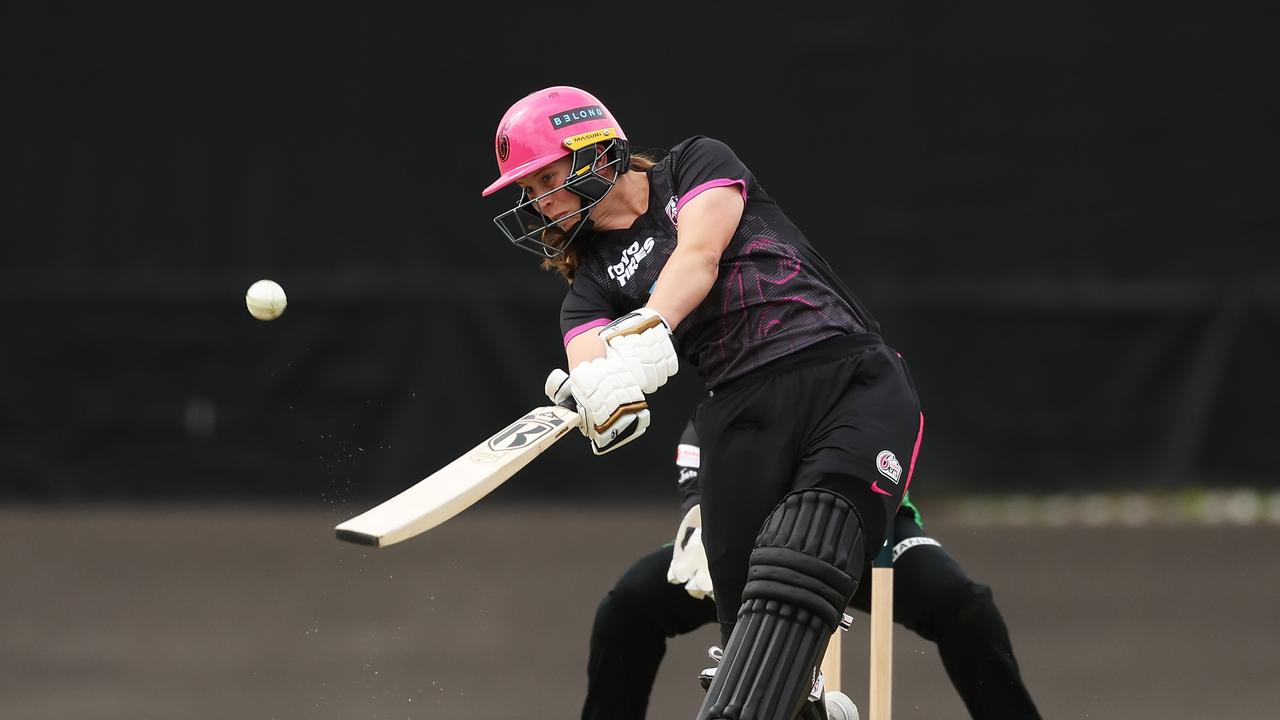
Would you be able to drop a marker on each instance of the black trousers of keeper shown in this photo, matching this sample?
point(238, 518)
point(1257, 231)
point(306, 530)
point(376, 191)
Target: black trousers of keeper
point(841, 415)
point(933, 597)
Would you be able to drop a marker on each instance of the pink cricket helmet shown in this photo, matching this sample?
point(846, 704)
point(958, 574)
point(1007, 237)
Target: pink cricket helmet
point(546, 125)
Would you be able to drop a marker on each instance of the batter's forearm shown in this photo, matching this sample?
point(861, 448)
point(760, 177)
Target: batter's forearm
point(584, 348)
point(707, 224)
point(684, 283)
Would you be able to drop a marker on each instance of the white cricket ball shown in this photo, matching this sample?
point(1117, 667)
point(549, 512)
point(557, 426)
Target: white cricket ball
point(265, 300)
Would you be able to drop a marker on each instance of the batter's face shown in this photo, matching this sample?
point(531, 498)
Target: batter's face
point(546, 187)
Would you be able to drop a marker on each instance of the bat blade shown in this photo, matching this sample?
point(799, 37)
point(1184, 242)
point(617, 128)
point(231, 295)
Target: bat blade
point(458, 485)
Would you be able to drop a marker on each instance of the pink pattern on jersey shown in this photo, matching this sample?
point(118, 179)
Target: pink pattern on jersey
point(736, 300)
point(790, 298)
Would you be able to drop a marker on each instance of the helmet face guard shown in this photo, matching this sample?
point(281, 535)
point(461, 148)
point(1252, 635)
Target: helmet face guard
point(542, 128)
point(527, 228)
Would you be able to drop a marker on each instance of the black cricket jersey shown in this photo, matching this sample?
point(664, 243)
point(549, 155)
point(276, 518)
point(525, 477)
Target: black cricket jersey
point(774, 294)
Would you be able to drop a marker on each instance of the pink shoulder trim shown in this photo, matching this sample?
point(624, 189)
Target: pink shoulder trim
point(721, 182)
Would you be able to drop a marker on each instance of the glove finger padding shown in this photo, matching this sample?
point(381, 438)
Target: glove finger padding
point(612, 406)
point(628, 427)
point(642, 341)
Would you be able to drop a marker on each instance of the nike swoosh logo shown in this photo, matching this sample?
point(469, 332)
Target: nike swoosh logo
point(876, 487)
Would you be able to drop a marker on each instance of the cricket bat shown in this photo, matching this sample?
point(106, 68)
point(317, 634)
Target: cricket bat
point(458, 485)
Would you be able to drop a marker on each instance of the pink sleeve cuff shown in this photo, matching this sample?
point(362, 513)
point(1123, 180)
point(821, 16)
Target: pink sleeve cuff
point(720, 182)
point(575, 332)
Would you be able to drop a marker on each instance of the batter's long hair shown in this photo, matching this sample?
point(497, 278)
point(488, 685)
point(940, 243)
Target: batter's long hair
point(566, 263)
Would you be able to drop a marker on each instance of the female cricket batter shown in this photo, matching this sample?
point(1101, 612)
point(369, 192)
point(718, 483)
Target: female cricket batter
point(666, 593)
point(811, 430)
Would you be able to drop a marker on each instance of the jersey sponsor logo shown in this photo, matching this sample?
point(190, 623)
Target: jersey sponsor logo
point(888, 465)
point(687, 475)
point(671, 209)
point(630, 262)
point(576, 115)
point(523, 432)
point(688, 456)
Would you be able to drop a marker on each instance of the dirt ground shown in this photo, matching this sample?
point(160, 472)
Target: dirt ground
point(256, 611)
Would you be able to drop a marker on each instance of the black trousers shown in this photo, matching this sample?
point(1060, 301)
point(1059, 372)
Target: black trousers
point(933, 597)
point(849, 421)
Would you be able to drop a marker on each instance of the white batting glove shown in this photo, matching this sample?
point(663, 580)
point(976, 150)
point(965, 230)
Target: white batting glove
point(689, 558)
point(642, 340)
point(559, 392)
point(611, 405)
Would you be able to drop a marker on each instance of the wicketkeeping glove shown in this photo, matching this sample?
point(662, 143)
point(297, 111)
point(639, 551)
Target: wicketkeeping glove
point(642, 341)
point(607, 398)
point(689, 558)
